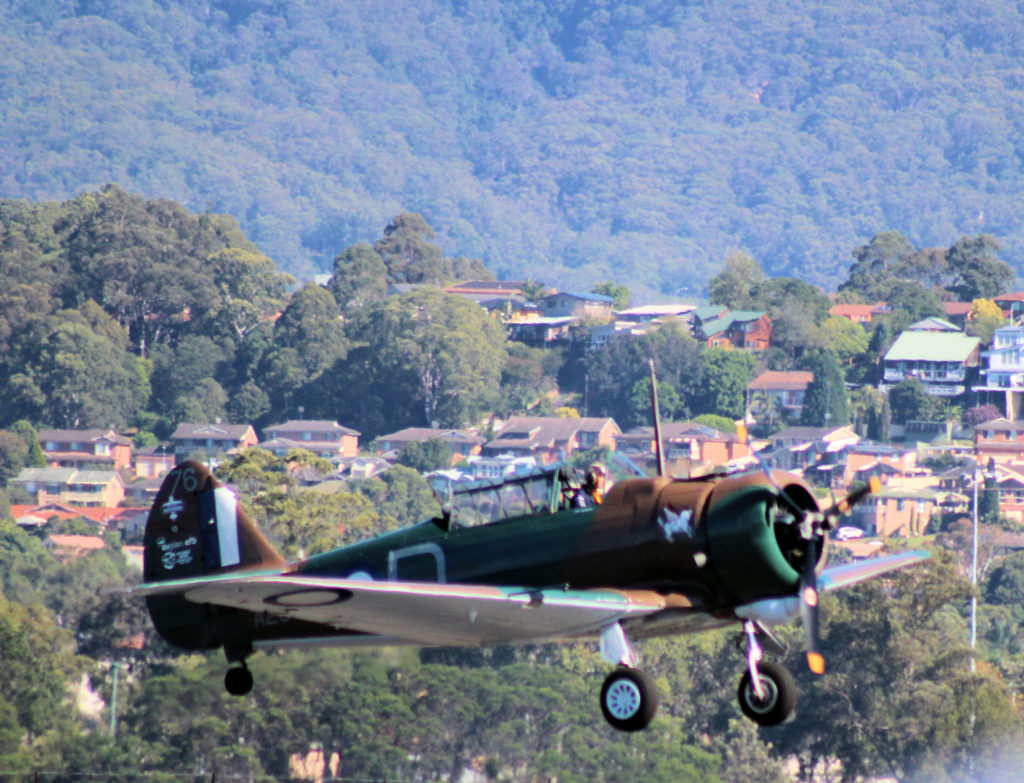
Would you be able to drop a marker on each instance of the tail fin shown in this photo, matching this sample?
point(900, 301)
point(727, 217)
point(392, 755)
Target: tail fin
point(196, 527)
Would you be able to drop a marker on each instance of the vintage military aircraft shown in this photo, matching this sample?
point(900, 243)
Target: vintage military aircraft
point(518, 560)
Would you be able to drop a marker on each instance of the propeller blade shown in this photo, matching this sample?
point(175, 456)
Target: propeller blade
point(809, 613)
point(843, 506)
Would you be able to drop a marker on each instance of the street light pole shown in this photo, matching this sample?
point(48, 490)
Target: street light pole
point(974, 567)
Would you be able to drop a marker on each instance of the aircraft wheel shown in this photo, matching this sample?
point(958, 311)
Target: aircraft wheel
point(779, 694)
point(238, 680)
point(628, 699)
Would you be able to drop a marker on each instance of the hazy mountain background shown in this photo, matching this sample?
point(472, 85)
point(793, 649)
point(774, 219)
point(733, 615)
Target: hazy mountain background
point(571, 141)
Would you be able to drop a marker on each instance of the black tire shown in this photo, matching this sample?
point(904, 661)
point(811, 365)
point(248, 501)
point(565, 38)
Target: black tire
point(629, 699)
point(780, 694)
point(238, 680)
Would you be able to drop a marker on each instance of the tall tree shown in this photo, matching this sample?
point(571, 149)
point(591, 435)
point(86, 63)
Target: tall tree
point(826, 402)
point(360, 278)
point(977, 272)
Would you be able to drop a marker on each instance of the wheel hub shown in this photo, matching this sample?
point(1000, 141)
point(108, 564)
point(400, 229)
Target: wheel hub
point(623, 699)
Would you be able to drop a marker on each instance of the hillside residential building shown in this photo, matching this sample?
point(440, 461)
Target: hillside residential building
point(945, 362)
point(577, 305)
point(540, 331)
point(153, 461)
point(208, 441)
point(326, 439)
point(72, 486)
point(1001, 440)
point(862, 314)
point(895, 512)
point(746, 329)
point(462, 442)
point(784, 390)
point(1011, 304)
point(689, 447)
point(85, 448)
point(551, 439)
point(1002, 371)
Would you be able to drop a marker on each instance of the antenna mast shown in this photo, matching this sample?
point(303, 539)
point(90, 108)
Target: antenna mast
point(659, 448)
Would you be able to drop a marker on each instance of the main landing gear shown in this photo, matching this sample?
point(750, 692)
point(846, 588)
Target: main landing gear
point(238, 679)
point(629, 700)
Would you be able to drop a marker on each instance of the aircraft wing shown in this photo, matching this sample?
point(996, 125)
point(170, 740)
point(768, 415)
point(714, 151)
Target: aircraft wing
point(834, 577)
point(418, 612)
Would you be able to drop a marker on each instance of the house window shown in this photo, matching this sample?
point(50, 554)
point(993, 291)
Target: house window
point(899, 504)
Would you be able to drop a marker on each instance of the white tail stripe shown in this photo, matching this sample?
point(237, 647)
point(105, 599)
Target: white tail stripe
point(226, 505)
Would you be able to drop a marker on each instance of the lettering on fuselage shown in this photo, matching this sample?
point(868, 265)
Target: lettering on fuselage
point(175, 553)
point(674, 523)
point(266, 620)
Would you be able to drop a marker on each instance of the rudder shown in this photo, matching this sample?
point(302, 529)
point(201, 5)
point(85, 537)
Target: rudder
point(196, 527)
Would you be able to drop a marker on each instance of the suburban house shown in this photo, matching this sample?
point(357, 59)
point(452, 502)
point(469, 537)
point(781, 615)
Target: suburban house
point(891, 463)
point(957, 313)
point(805, 448)
point(85, 448)
point(72, 486)
point(538, 331)
point(944, 361)
point(747, 329)
point(1002, 371)
point(577, 305)
point(1001, 440)
point(862, 314)
point(326, 439)
point(462, 442)
point(153, 461)
point(895, 512)
point(551, 439)
point(689, 447)
point(602, 333)
point(504, 295)
point(783, 391)
point(1011, 304)
point(656, 312)
point(207, 441)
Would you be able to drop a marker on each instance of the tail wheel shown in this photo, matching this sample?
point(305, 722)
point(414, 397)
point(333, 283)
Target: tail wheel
point(238, 680)
point(629, 699)
point(779, 698)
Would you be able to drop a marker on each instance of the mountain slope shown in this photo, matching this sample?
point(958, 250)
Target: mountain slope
point(568, 141)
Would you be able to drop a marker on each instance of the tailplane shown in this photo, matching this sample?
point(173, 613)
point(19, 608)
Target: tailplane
point(196, 528)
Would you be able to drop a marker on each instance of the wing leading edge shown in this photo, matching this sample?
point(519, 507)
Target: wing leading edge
point(419, 612)
point(835, 577)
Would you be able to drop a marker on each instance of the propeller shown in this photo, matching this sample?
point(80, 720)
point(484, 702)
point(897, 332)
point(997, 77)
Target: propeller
point(809, 613)
point(812, 525)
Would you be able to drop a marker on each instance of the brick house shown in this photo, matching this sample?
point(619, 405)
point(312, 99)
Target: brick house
point(551, 439)
point(84, 448)
point(211, 440)
point(786, 390)
point(72, 486)
point(896, 512)
point(689, 447)
point(326, 439)
point(462, 443)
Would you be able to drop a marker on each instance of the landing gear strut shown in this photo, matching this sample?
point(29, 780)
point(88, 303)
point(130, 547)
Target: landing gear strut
point(767, 691)
point(629, 699)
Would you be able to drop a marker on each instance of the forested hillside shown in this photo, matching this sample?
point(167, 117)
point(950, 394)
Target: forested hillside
point(570, 141)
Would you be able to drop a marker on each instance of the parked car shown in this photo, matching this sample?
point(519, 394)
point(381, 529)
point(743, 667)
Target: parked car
point(846, 532)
